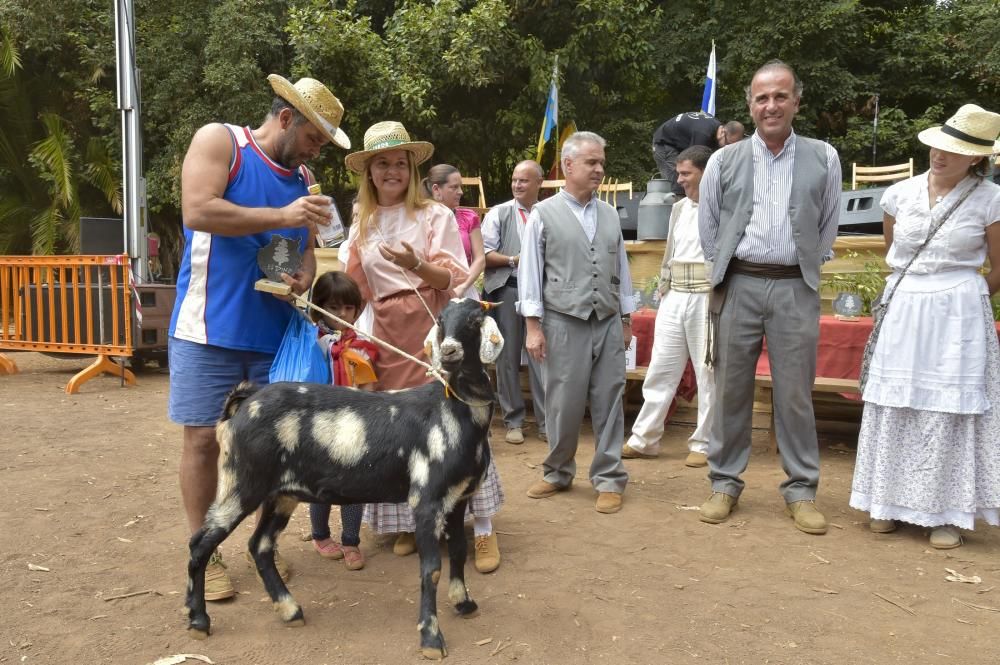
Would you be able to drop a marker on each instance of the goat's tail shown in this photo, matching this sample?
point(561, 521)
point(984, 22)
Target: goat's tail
point(236, 397)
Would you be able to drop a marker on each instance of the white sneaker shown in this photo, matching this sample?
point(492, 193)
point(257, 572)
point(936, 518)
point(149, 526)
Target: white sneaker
point(514, 435)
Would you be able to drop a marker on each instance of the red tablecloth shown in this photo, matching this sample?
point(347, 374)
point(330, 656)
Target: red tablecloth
point(838, 353)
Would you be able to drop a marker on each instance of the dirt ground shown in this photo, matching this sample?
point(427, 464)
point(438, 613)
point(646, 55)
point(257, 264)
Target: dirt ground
point(88, 485)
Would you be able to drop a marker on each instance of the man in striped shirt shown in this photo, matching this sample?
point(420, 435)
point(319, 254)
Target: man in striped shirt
point(768, 219)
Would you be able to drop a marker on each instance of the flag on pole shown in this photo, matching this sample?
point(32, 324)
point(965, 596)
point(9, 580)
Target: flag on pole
point(708, 99)
point(555, 173)
point(551, 120)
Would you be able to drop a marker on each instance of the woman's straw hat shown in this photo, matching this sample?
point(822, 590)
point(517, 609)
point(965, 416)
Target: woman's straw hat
point(971, 131)
point(383, 136)
point(313, 100)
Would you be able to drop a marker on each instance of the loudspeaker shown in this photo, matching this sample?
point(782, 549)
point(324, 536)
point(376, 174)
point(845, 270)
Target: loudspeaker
point(102, 235)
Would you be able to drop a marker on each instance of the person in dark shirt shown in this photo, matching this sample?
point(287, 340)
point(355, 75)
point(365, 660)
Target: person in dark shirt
point(685, 130)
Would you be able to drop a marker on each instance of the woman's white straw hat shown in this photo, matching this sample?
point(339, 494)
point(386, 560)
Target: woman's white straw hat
point(315, 101)
point(971, 131)
point(384, 136)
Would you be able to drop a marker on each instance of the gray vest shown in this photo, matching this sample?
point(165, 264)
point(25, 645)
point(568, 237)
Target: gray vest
point(510, 244)
point(580, 277)
point(805, 204)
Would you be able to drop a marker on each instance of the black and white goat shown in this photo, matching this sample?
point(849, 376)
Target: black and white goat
point(291, 442)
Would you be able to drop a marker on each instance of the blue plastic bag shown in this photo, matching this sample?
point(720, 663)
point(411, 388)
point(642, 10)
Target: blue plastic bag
point(300, 357)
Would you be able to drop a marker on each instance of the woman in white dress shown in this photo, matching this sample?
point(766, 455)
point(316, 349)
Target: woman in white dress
point(929, 447)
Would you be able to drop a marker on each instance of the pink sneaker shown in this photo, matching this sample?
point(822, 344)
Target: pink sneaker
point(328, 548)
point(354, 558)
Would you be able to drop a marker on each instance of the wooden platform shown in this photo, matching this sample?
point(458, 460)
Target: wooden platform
point(822, 385)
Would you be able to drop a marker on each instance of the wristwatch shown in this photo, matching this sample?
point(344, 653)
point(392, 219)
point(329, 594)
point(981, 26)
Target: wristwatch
point(627, 320)
point(512, 261)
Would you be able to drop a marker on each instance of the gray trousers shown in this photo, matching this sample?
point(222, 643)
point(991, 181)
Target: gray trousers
point(786, 311)
point(511, 325)
point(585, 360)
point(666, 161)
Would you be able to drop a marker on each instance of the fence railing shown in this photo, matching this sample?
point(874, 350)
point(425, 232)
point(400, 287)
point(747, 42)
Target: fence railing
point(67, 304)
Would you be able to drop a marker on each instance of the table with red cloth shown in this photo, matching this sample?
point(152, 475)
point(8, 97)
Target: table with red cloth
point(838, 351)
point(643, 327)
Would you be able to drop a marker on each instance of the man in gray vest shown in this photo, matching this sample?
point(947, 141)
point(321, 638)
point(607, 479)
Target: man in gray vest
point(502, 229)
point(575, 293)
point(768, 218)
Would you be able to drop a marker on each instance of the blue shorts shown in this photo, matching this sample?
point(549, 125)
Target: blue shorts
point(201, 376)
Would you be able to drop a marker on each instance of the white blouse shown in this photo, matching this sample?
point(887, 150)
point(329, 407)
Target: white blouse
point(960, 243)
point(684, 238)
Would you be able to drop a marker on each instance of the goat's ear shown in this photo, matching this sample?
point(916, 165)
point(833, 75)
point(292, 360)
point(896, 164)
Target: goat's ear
point(490, 340)
point(432, 349)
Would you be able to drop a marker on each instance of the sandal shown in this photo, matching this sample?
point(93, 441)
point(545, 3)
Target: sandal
point(328, 548)
point(354, 558)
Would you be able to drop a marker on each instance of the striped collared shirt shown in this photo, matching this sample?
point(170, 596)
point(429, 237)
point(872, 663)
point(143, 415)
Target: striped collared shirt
point(768, 237)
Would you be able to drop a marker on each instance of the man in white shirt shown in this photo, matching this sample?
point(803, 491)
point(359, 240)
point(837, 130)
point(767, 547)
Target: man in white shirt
point(768, 219)
point(575, 292)
point(681, 323)
point(502, 229)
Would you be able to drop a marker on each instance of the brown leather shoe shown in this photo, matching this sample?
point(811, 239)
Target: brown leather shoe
point(218, 586)
point(544, 489)
point(628, 452)
point(405, 545)
point(807, 517)
point(718, 508)
point(487, 553)
point(284, 570)
point(695, 460)
point(608, 502)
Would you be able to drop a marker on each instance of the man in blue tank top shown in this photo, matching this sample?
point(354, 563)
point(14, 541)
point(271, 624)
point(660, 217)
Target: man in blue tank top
point(240, 187)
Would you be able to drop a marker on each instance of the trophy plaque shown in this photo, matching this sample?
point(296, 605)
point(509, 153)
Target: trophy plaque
point(847, 306)
point(281, 255)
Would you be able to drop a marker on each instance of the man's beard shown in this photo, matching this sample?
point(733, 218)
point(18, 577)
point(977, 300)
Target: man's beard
point(286, 154)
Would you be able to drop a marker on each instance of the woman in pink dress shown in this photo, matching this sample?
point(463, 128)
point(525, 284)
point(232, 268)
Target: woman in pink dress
point(407, 258)
point(444, 184)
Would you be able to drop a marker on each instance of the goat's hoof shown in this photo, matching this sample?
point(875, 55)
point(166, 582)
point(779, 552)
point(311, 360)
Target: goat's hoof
point(467, 608)
point(295, 623)
point(430, 653)
point(198, 633)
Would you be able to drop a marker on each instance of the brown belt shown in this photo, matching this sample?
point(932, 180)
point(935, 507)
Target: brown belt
point(764, 270)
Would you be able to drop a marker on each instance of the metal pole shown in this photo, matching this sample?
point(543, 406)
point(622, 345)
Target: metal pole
point(133, 184)
point(875, 132)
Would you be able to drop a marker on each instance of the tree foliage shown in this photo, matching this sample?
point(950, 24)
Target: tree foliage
point(469, 75)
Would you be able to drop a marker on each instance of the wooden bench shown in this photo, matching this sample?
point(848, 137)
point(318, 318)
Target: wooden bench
point(822, 385)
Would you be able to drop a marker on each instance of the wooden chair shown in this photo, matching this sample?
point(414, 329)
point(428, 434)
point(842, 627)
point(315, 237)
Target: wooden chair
point(477, 181)
point(880, 173)
point(608, 191)
point(553, 184)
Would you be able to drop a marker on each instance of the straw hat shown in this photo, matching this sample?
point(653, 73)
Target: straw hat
point(316, 103)
point(971, 131)
point(383, 136)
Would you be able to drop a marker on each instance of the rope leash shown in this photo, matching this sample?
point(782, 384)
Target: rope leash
point(431, 370)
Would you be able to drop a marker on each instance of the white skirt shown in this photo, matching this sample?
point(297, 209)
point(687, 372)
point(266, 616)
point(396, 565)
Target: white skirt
point(929, 467)
point(931, 352)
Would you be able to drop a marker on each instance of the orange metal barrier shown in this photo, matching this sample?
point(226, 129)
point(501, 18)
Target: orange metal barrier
point(67, 304)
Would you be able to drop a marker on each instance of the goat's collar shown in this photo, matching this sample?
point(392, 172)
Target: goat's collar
point(450, 392)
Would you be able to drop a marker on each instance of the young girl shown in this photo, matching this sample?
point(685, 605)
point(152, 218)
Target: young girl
point(351, 360)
